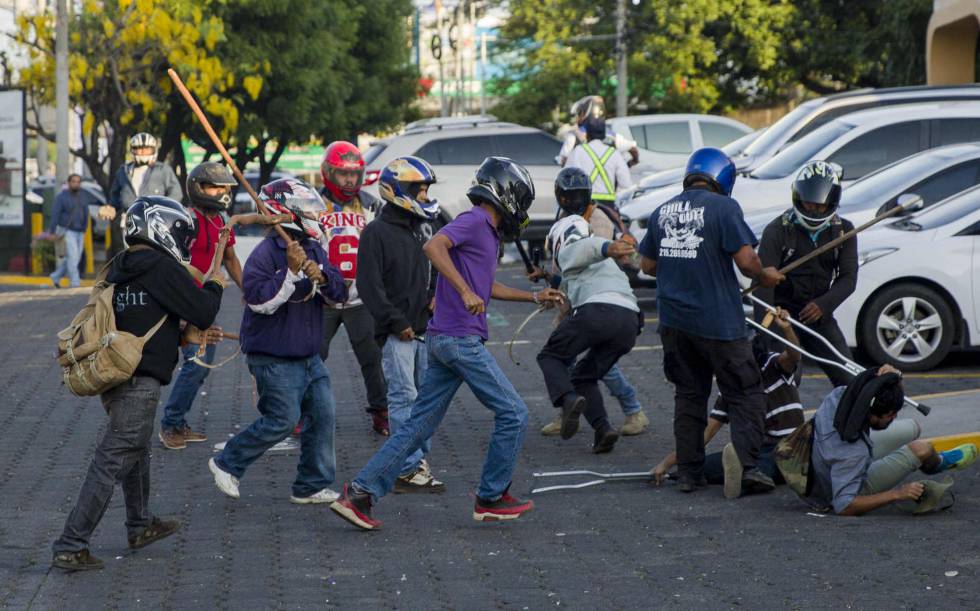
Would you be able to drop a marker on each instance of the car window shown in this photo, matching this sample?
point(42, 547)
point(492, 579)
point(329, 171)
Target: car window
point(469, 150)
point(528, 149)
point(718, 134)
point(947, 212)
point(949, 182)
point(672, 138)
point(877, 148)
point(954, 131)
point(826, 117)
point(372, 153)
point(775, 132)
point(792, 158)
point(868, 191)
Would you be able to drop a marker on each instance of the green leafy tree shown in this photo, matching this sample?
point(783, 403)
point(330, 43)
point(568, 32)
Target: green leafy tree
point(697, 55)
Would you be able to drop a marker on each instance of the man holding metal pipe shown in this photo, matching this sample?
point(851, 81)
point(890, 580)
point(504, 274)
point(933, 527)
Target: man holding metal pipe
point(815, 289)
point(693, 239)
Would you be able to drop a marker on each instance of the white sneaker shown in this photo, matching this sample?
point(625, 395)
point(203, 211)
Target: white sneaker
point(226, 482)
point(324, 496)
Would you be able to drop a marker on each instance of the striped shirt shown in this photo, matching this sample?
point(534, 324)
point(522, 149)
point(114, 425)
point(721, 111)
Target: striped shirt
point(784, 412)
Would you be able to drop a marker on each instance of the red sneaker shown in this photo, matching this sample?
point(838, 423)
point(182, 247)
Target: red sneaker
point(379, 422)
point(504, 508)
point(355, 507)
point(298, 429)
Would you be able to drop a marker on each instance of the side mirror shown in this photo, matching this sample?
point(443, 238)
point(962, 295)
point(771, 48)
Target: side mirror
point(910, 202)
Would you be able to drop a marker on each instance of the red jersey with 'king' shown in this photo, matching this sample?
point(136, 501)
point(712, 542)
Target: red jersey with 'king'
point(342, 226)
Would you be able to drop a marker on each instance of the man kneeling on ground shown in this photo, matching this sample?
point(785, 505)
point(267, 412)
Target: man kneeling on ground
point(845, 475)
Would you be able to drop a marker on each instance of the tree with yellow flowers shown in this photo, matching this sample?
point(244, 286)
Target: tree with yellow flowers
point(119, 53)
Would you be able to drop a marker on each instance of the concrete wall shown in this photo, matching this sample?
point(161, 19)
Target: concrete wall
point(951, 42)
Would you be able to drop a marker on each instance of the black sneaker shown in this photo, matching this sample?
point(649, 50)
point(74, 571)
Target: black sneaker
point(158, 529)
point(687, 482)
point(572, 406)
point(604, 441)
point(76, 561)
point(756, 482)
point(355, 507)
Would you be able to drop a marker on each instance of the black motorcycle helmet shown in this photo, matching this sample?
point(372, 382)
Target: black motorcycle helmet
point(163, 224)
point(507, 186)
point(573, 191)
point(212, 173)
point(818, 182)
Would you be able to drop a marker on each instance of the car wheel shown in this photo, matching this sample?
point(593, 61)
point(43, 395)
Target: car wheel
point(909, 326)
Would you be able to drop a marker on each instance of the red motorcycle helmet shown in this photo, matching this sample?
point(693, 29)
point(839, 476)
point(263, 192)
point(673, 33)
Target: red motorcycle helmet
point(342, 158)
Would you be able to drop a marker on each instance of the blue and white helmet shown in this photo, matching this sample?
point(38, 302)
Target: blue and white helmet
point(400, 182)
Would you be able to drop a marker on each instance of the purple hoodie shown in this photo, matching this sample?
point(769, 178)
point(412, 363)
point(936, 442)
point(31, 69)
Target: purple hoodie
point(279, 320)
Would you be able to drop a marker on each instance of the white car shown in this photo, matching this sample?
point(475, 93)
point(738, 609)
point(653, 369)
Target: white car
point(860, 143)
point(666, 141)
point(456, 147)
point(917, 296)
point(933, 175)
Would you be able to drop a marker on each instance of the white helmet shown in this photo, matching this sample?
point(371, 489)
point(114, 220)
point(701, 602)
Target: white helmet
point(143, 140)
point(567, 230)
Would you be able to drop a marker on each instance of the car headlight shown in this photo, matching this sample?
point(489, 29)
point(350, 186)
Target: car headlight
point(867, 256)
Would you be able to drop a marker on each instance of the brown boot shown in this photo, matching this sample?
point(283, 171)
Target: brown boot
point(172, 439)
point(190, 436)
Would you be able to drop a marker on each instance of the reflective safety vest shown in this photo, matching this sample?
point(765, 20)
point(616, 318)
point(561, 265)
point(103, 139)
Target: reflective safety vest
point(599, 170)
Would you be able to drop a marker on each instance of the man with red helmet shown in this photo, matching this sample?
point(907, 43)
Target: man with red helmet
point(348, 211)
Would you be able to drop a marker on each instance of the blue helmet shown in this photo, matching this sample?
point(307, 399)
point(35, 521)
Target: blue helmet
point(712, 166)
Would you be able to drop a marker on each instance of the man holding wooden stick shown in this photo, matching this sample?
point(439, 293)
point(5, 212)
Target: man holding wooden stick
point(815, 289)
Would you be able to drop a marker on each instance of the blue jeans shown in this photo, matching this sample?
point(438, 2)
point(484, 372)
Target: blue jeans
point(404, 364)
point(184, 390)
point(74, 246)
point(288, 389)
point(619, 387)
point(452, 361)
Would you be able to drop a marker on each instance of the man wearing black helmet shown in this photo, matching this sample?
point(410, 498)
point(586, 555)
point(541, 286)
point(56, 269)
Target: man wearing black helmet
point(209, 189)
point(691, 243)
point(465, 253)
point(814, 290)
point(153, 292)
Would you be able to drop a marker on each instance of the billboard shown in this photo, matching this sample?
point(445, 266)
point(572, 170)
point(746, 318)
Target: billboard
point(11, 157)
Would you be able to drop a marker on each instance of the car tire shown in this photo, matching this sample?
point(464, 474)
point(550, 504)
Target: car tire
point(889, 336)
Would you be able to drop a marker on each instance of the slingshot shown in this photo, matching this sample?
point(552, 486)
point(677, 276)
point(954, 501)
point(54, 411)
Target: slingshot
point(845, 364)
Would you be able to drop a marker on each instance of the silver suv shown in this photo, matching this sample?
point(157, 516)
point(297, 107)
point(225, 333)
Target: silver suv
point(456, 146)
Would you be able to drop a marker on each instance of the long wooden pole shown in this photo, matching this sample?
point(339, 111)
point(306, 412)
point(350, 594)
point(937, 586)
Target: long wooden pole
point(832, 244)
point(221, 148)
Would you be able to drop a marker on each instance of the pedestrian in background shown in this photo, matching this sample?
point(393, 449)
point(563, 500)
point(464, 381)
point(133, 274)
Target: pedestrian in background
point(69, 220)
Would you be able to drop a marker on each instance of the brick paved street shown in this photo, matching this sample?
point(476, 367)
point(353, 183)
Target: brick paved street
point(615, 546)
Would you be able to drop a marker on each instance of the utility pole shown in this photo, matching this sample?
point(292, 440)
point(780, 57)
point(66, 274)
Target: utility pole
point(621, 58)
point(443, 111)
point(61, 92)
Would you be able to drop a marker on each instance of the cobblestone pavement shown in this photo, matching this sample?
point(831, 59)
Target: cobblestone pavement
point(615, 546)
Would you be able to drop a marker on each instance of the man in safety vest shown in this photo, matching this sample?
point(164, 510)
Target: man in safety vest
point(607, 170)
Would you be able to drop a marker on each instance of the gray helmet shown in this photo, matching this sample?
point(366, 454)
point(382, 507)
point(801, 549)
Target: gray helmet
point(209, 173)
point(143, 140)
point(161, 223)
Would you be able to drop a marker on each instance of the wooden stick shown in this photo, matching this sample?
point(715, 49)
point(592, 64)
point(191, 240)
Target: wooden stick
point(196, 109)
point(831, 245)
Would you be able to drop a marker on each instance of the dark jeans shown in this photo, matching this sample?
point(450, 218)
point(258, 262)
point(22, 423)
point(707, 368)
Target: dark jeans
point(607, 332)
point(288, 389)
point(360, 330)
point(123, 457)
point(189, 380)
point(715, 473)
point(828, 328)
point(689, 364)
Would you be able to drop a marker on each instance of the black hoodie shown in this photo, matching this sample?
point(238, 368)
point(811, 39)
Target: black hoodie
point(394, 277)
point(149, 285)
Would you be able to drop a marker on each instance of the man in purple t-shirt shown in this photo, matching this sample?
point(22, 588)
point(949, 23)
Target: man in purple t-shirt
point(465, 254)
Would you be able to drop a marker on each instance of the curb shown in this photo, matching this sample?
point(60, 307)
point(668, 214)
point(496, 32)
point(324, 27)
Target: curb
point(17, 280)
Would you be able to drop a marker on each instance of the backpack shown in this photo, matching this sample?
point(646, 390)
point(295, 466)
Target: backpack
point(792, 456)
point(94, 355)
